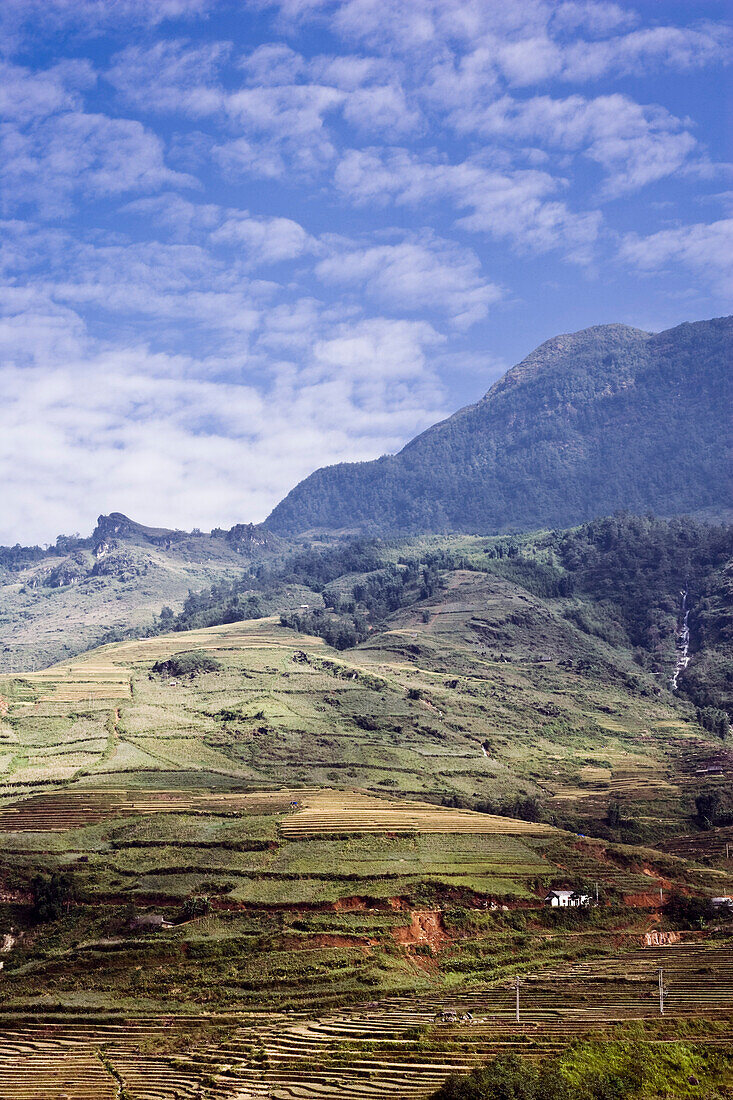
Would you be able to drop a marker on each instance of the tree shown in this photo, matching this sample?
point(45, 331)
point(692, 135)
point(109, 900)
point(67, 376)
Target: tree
point(52, 894)
point(613, 815)
point(707, 805)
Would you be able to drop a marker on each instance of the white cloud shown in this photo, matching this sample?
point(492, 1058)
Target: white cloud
point(377, 349)
point(635, 145)
point(529, 60)
point(181, 216)
point(25, 19)
point(350, 71)
point(592, 15)
point(264, 129)
point(514, 205)
point(705, 249)
point(264, 160)
point(288, 111)
point(26, 95)
point(264, 240)
point(171, 76)
point(74, 152)
point(427, 274)
point(529, 39)
point(675, 48)
point(167, 440)
point(170, 290)
point(382, 108)
point(272, 64)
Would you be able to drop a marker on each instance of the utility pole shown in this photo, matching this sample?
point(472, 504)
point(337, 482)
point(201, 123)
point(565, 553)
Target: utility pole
point(661, 896)
point(596, 893)
point(727, 850)
point(661, 992)
point(517, 998)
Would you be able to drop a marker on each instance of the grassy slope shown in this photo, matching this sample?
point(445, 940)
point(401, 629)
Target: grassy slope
point(451, 700)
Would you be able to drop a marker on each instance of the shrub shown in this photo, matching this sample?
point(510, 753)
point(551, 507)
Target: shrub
point(187, 664)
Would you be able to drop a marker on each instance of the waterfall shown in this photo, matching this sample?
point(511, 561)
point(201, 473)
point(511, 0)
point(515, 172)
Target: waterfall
point(682, 643)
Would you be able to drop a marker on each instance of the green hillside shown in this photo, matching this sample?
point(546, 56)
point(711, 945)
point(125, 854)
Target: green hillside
point(607, 418)
point(236, 861)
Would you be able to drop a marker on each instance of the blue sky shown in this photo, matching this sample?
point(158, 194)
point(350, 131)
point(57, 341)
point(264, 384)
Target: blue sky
point(241, 240)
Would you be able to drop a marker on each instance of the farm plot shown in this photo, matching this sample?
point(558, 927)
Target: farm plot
point(104, 674)
point(68, 1060)
point(32, 1066)
point(317, 811)
point(80, 681)
point(414, 712)
point(395, 1047)
point(342, 812)
point(391, 1048)
point(79, 807)
point(714, 846)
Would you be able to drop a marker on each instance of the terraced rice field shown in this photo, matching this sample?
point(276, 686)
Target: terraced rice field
point(105, 673)
point(74, 809)
point(714, 846)
point(406, 714)
point(337, 812)
point(34, 1067)
point(370, 1051)
point(318, 812)
point(79, 682)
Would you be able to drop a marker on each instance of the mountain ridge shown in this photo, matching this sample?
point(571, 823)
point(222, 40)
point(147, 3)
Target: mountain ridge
point(587, 423)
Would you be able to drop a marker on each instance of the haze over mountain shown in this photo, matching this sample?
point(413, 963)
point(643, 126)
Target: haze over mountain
point(590, 422)
point(59, 601)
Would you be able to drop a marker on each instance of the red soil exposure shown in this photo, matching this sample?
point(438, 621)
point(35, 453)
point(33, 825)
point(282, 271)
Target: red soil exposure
point(426, 927)
point(642, 901)
point(348, 905)
point(3, 706)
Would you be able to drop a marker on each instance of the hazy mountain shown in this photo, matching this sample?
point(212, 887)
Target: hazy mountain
point(61, 600)
point(598, 420)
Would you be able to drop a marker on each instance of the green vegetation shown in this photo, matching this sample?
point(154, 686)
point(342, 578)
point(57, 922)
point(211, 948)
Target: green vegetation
point(252, 822)
point(616, 580)
point(187, 664)
point(598, 1071)
point(83, 592)
point(52, 895)
point(588, 423)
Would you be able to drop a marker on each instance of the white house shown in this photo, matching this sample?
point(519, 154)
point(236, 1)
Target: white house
point(567, 899)
point(722, 903)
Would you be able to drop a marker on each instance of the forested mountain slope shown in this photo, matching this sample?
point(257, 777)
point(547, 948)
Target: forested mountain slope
point(603, 419)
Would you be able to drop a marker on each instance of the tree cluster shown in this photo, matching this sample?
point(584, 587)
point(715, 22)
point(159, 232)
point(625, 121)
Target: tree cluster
point(510, 1077)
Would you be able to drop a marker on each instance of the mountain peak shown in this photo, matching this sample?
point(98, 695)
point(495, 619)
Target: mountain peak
point(117, 525)
point(588, 344)
point(607, 418)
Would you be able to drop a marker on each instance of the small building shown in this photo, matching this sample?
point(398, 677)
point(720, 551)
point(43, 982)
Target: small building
point(567, 899)
point(722, 904)
point(149, 922)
